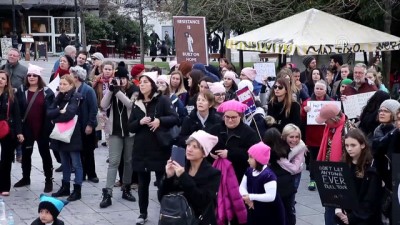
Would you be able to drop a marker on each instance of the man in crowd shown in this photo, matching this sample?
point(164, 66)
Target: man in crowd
point(16, 70)
point(310, 63)
point(81, 61)
point(154, 38)
point(336, 63)
point(344, 74)
point(360, 84)
point(70, 50)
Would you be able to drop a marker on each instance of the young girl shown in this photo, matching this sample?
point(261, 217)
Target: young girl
point(368, 184)
point(258, 189)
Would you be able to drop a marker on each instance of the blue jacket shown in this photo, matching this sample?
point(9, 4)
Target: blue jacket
point(179, 108)
point(88, 107)
point(199, 66)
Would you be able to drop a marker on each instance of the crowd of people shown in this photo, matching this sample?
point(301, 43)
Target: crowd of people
point(239, 169)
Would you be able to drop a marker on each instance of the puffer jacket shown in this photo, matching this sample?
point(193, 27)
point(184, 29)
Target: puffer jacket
point(295, 161)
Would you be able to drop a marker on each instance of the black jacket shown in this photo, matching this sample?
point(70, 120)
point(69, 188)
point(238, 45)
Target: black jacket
point(53, 113)
point(192, 123)
point(200, 190)
point(56, 222)
point(14, 118)
point(277, 111)
point(147, 154)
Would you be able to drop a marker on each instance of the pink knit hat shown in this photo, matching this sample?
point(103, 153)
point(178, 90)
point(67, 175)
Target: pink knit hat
point(33, 69)
point(232, 105)
point(206, 140)
point(249, 73)
point(164, 78)
point(327, 111)
point(216, 87)
point(260, 152)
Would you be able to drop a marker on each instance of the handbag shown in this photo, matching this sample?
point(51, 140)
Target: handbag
point(63, 131)
point(4, 126)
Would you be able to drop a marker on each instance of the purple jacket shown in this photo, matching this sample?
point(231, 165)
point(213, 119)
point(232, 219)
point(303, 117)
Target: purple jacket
point(229, 200)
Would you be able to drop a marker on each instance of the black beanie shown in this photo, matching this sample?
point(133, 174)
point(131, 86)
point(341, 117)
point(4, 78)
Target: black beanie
point(307, 60)
point(121, 72)
point(50, 207)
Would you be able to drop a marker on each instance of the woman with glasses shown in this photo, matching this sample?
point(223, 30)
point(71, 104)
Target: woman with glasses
point(230, 85)
point(218, 90)
point(34, 98)
point(282, 107)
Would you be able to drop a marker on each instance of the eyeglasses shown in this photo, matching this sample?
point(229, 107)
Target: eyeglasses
point(277, 87)
point(219, 94)
point(32, 75)
point(231, 117)
point(383, 111)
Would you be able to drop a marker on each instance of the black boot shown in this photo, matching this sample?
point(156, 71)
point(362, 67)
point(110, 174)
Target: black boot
point(63, 191)
point(76, 193)
point(126, 193)
point(106, 198)
point(48, 185)
point(23, 182)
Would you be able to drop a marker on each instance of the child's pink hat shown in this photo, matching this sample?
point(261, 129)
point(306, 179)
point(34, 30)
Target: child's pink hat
point(260, 152)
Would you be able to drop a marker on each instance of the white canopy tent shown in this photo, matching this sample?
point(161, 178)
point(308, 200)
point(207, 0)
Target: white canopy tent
point(314, 32)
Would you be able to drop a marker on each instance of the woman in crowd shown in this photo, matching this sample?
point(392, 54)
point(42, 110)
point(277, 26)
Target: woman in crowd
point(218, 90)
point(230, 85)
point(65, 63)
point(151, 113)
point(316, 75)
point(177, 87)
point(63, 109)
point(119, 100)
point(376, 78)
point(97, 61)
point(314, 132)
point(374, 63)
point(136, 71)
point(203, 117)
point(102, 82)
point(282, 107)
point(9, 113)
point(368, 183)
point(299, 90)
point(185, 68)
point(203, 84)
point(194, 84)
point(34, 99)
point(225, 63)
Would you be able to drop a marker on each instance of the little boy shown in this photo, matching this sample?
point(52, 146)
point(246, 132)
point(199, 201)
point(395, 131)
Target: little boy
point(49, 208)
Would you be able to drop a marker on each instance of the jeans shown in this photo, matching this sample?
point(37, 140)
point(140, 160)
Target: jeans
point(297, 178)
point(143, 192)
point(329, 216)
point(75, 158)
point(44, 151)
point(117, 146)
point(290, 211)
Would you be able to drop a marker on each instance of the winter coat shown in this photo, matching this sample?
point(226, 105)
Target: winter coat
point(22, 96)
point(192, 123)
point(16, 72)
point(55, 222)
point(368, 123)
point(276, 110)
point(237, 141)
point(230, 204)
point(367, 86)
point(87, 113)
point(147, 154)
point(295, 160)
point(14, 118)
point(179, 108)
point(53, 113)
point(230, 94)
point(199, 190)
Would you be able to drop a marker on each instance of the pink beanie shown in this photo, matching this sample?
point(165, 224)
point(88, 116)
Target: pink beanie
point(172, 64)
point(164, 78)
point(206, 140)
point(260, 152)
point(232, 105)
point(216, 87)
point(249, 73)
point(37, 70)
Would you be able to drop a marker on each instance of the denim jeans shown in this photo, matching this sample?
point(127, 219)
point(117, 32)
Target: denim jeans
point(329, 216)
point(75, 158)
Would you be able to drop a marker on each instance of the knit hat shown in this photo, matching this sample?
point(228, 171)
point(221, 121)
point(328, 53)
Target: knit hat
point(347, 81)
point(260, 152)
point(206, 140)
point(151, 75)
point(121, 72)
point(249, 73)
point(246, 83)
point(98, 55)
point(136, 70)
point(33, 69)
point(216, 87)
point(232, 105)
point(185, 67)
point(392, 105)
point(327, 111)
point(79, 72)
point(307, 60)
point(164, 78)
point(172, 64)
point(69, 59)
point(53, 205)
point(230, 74)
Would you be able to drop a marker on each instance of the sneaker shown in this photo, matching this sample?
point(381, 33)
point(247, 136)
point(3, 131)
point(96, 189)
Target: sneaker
point(141, 219)
point(311, 186)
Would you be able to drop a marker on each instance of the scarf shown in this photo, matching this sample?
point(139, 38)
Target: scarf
point(60, 72)
point(335, 154)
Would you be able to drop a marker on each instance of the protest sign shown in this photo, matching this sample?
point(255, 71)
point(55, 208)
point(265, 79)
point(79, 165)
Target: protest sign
point(53, 85)
point(246, 97)
point(191, 39)
point(354, 104)
point(315, 108)
point(396, 188)
point(264, 70)
point(335, 185)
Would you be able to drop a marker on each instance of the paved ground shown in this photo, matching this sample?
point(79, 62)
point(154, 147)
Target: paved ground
point(23, 201)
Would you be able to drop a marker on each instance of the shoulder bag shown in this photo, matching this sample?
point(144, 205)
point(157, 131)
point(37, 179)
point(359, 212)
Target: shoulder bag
point(30, 104)
point(63, 131)
point(4, 126)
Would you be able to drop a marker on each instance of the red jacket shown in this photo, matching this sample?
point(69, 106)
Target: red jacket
point(364, 88)
point(229, 201)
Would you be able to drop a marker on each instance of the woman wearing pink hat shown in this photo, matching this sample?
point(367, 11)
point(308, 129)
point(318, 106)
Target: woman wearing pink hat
point(230, 85)
point(218, 90)
point(198, 180)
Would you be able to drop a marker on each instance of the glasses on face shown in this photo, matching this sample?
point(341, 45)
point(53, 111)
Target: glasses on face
point(219, 95)
point(32, 75)
point(277, 87)
point(384, 111)
point(231, 117)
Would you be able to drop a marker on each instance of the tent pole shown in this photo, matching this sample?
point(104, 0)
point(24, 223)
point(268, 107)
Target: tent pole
point(280, 61)
point(241, 59)
point(284, 59)
point(365, 59)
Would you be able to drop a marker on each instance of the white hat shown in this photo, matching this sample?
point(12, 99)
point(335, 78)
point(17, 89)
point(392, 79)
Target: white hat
point(164, 78)
point(216, 87)
point(245, 83)
point(206, 140)
point(151, 75)
point(33, 69)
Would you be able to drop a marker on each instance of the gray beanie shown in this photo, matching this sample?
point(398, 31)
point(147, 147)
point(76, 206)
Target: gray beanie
point(79, 72)
point(307, 60)
point(392, 105)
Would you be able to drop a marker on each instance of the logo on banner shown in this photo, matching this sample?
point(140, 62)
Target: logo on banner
point(246, 97)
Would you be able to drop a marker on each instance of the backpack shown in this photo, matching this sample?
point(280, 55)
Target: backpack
point(175, 210)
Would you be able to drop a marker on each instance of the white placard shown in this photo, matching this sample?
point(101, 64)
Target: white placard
point(54, 85)
point(315, 108)
point(354, 104)
point(264, 70)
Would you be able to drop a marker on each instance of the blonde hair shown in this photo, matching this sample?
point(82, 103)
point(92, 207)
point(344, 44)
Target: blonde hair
point(288, 100)
point(290, 128)
point(181, 88)
point(69, 78)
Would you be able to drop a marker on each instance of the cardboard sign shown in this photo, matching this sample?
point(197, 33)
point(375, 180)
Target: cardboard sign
point(54, 85)
point(335, 185)
point(6, 45)
point(354, 104)
point(246, 97)
point(396, 188)
point(191, 39)
point(315, 108)
point(264, 70)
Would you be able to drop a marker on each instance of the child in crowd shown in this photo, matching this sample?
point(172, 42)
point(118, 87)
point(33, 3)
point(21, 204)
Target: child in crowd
point(259, 189)
point(49, 209)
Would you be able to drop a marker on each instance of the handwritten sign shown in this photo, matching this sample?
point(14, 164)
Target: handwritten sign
point(335, 185)
point(264, 70)
point(246, 97)
point(354, 104)
point(315, 108)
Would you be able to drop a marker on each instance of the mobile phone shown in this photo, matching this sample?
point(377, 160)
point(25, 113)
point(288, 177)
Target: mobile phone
point(178, 155)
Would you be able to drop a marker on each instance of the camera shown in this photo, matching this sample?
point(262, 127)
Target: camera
point(116, 81)
point(269, 79)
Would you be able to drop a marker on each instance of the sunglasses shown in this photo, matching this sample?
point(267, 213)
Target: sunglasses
point(32, 75)
point(277, 87)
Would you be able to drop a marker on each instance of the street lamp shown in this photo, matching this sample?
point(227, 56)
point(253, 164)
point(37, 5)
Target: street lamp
point(77, 45)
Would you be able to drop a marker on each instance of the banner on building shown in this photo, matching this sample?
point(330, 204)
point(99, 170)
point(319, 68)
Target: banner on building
point(191, 39)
